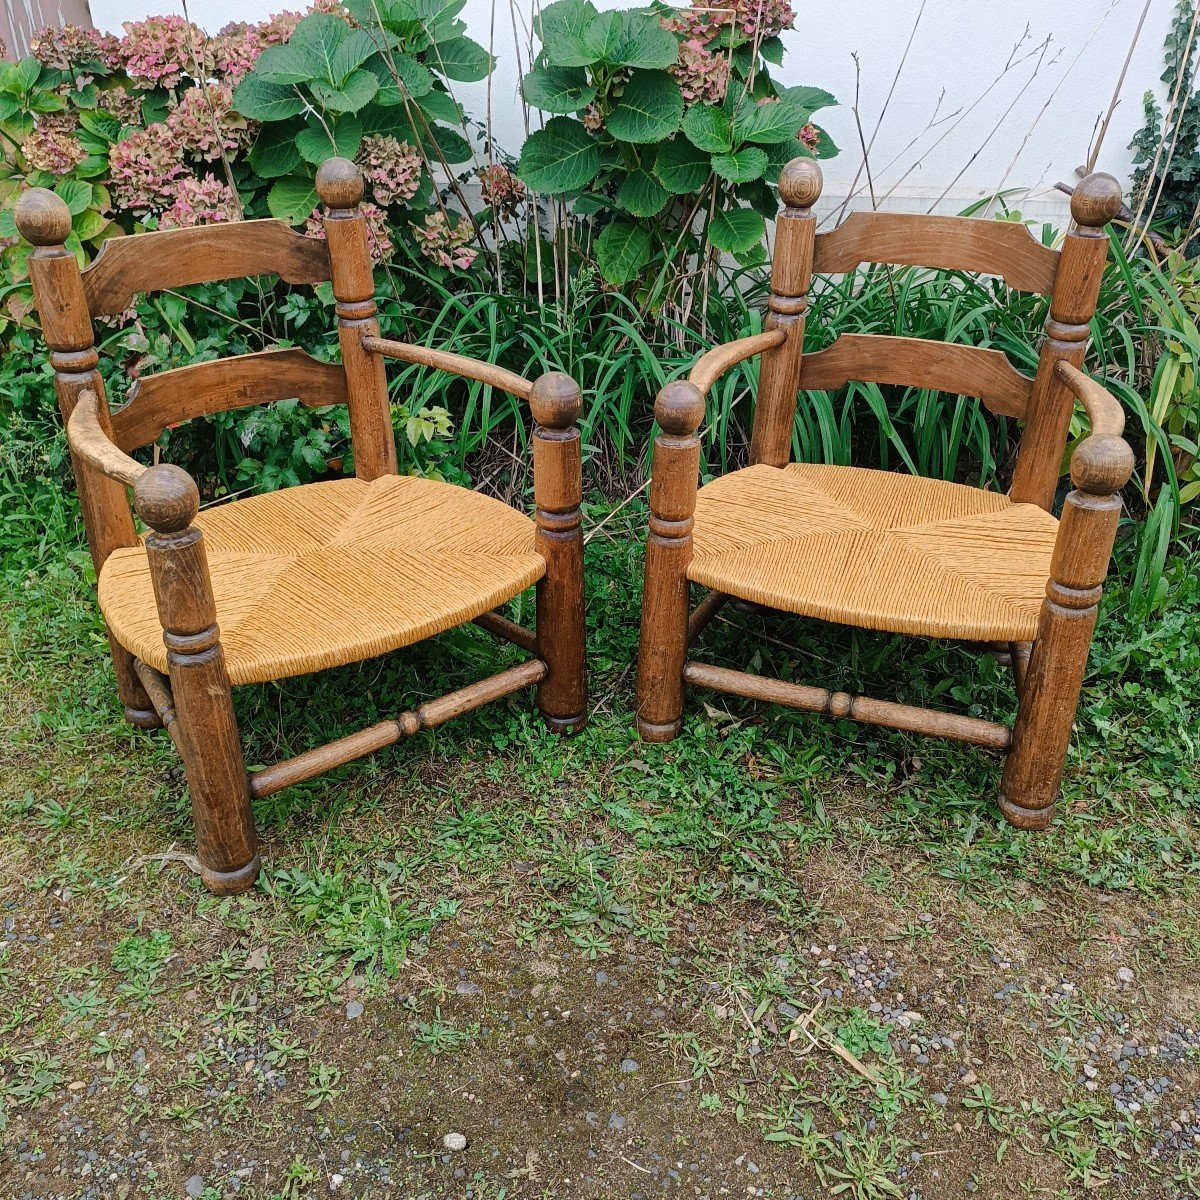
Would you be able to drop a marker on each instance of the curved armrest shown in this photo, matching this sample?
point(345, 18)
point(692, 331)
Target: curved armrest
point(455, 364)
point(92, 445)
point(711, 365)
point(1103, 462)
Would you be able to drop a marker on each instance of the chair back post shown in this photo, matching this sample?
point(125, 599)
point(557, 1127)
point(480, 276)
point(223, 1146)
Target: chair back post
point(44, 220)
point(340, 186)
point(1094, 204)
point(800, 185)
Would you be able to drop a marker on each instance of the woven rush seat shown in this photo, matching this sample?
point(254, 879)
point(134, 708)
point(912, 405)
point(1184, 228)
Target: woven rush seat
point(331, 573)
point(876, 549)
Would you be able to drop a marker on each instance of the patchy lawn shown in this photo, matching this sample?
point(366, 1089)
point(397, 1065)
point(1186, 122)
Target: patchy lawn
point(781, 957)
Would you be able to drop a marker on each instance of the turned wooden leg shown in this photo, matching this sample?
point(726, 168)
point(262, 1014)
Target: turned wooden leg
point(558, 492)
point(662, 648)
point(1052, 680)
point(139, 710)
point(226, 841)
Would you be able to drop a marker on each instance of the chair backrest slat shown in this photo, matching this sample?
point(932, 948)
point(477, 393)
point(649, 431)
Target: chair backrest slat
point(153, 262)
point(918, 362)
point(983, 247)
point(171, 397)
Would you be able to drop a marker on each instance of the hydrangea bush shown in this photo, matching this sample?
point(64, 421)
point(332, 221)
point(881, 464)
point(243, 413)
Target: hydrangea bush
point(667, 127)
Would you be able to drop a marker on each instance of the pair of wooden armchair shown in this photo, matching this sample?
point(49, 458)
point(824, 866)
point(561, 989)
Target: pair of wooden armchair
point(332, 573)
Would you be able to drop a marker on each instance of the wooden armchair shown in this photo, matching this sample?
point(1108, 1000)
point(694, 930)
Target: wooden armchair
point(311, 577)
point(886, 551)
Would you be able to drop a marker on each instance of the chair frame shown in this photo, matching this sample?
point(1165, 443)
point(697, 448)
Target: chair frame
point(194, 701)
point(1049, 671)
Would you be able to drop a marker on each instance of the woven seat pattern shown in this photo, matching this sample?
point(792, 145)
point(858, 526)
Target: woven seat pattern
point(332, 573)
point(876, 549)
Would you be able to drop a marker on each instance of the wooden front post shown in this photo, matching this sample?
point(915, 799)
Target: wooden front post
point(1096, 201)
point(800, 186)
point(43, 219)
point(340, 186)
point(1101, 466)
point(662, 649)
point(226, 842)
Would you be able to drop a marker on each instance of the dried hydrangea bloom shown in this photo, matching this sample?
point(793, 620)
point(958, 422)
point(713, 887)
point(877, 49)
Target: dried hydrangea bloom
point(379, 239)
point(200, 202)
point(745, 20)
point(53, 147)
point(443, 243)
point(703, 77)
point(68, 47)
point(392, 168)
point(501, 189)
point(125, 106)
point(160, 51)
point(810, 135)
point(592, 120)
point(144, 170)
point(204, 123)
point(233, 54)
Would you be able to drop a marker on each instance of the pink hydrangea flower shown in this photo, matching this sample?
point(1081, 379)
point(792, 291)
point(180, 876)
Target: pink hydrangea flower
point(233, 54)
point(144, 170)
point(53, 147)
point(393, 168)
point(810, 135)
point(379, 239)
point(68, 47)
point(200, 202)
point(204, 123)
point(125, 106)
point(443, 243)
point(744, 20)
point(703, 77)
point(501, 189)
point(160, 51)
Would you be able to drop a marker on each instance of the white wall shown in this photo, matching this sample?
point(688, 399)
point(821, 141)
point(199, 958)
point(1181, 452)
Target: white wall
point(988, 95)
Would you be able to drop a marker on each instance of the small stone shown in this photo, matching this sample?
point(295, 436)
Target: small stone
point(335, 1182)
point(354, 1010)
point(465, 988)
point(194, 1186)
point(629, 1065)
point(455, 1141)
point(1124, 975)
point(969, 1078)
point(940, 1099)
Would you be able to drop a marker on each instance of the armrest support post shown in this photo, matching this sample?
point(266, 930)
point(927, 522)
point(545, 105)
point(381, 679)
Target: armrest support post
point(166, 498)
point(662, 651)
point(556, 404)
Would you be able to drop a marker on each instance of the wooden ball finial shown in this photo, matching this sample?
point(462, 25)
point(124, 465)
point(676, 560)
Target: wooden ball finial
point(679, 408)
point(1102, 465)
point(556, 402)
point(166, 498)
point(43, 218)
point(800, 183)
point(339, 183)
point(1096, 200)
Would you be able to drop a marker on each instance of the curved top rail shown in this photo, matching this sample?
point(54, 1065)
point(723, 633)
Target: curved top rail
point(173, 258)
point(1001, 248)
point(918, 362)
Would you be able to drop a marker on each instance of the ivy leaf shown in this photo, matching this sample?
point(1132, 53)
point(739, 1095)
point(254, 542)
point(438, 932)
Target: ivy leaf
point(563, 157)
point(622, 250)
point(558, 89)
point(708, 128)
point(292, 199)
point(315, 146)
point(356, 92)
point(681, 167)
point(737, 230)
point(266, 101)
point(650, 110)
point(743, 166)
point(462, 59)
point(274, 152)
point(409, 80)
point(642, 195)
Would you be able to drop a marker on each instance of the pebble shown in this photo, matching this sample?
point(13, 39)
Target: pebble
point(1124, 974)
point(629, 1065)
point(194, 1186)
point(336, 1181)
point(354, 1010)
point(454, 1141)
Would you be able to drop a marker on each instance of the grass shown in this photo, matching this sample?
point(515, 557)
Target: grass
point(832, 969)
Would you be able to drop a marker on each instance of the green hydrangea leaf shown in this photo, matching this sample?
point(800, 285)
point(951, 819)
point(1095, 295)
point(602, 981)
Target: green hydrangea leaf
point(462, 59)
point(736, 231)
point(563, 28)
point(650, 110)
point(642, 195)
point(292, 199)
point(315, 144)
point(358, 90)
point(262, 101)
point(622, 250)
point(563, 157)
point(743, 166)
point(708, 128)
point(768, 123)
point(274, 152)
point(810, 99)
point(681, 167)
point(409, 80)
point(558, 89)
